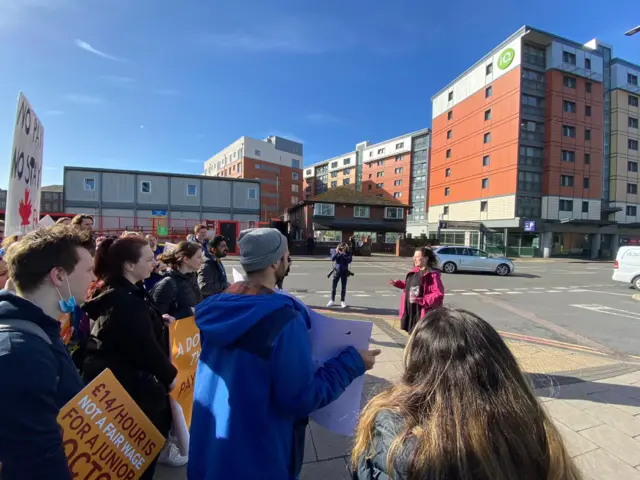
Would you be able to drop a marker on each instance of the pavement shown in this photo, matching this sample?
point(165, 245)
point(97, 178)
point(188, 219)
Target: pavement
point(573, 331)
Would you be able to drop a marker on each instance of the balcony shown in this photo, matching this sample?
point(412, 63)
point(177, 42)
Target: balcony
point(534, 85)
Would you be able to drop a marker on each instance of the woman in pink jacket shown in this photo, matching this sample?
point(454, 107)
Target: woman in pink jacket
point(422, 290)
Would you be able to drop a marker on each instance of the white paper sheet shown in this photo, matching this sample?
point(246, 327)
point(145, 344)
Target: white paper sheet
point(237, 276)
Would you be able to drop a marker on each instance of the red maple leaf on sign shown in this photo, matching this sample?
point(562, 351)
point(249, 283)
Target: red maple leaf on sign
point(25, 208)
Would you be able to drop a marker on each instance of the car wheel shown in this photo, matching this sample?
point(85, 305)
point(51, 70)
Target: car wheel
point(503, 269)
point(449, 267)
point(636, 283)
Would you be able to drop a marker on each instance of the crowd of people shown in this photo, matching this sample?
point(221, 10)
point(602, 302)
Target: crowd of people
point(461, 410)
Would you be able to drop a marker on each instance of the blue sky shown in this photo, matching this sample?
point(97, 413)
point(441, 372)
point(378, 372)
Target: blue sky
point(159, 85)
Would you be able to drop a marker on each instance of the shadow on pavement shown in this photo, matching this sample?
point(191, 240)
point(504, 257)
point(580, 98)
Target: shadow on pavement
point(571, 388)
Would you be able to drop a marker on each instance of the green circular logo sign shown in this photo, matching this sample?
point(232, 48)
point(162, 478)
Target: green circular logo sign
point(505, 58)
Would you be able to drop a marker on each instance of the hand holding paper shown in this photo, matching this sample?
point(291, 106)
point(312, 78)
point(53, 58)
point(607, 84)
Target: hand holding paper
point(369, 357)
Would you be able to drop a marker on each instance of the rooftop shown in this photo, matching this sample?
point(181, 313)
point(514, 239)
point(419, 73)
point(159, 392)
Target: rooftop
point(160, 174)
point(350, 196)
point(52, 188)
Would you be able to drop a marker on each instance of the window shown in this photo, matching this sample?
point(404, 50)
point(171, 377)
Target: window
point(392, 237)
point(568, 131)
point(632, 166)
point(257, 152)
point(324, 209)
point(399, 146)
point(587, 63)
point(145, 187)
point(346, 181)
point(334, 174)
point(632, 188)
point(398, 170)
point(632, 210)
point(258, 166)
point(484, 206)
point(487, 137)
point(328, 236)
point(380, 151)
point(380, 174)
point(485, 183)
point(448, 154)
point(568, 156)
point(488, 92)
point(334, 184)
point(633, 101)
point(379, 185)
point(294, 200)
point(445, 210)
point(569, 82)
point(295, 187)
point(398, 158)
point(587, 111)
point(587, 134)
point(309, 171)
point(585, 206)
point(397, 182)
point(395, 213)
point(397, 195)
point(487, 115)
point(587, 158)
point(633, 122)
point(447, 191)
point(252, 193)
point(361, 212)
point(334, 164)
point(450, 96)
point(486, 160)
point(347, 171)
point(585, 182)
point(566, 206)
point(347, 161)
point(566, 180)
point(489, 69)
point(295, 163)
point(529, 181)
point(587, 87)
point(449, 133)
point(192, 190)
point(295, 176)
point(450, 115)
point(90, 184)
point(447, 172)
point(380, 163)
point(568, 57)
point(569, 107)
point(633, 144)
point(632, 79)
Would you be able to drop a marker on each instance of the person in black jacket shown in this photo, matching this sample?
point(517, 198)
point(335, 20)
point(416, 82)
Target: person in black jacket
point(51, 268)
point(177, 293)
point(462, 410)
point(129, 332)
point(212, 277)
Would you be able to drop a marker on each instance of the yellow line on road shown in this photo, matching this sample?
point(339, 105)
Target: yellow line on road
point(549, 342)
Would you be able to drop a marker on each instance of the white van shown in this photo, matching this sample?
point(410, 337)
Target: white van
point(627, 266)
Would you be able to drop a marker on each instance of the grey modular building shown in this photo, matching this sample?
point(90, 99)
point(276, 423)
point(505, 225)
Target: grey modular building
point(128, 199)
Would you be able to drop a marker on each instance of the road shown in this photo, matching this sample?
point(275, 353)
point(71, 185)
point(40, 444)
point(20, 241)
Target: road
point(565, 301)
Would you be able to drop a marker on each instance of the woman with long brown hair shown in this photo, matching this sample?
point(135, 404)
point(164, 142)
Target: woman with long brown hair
point(463, 410)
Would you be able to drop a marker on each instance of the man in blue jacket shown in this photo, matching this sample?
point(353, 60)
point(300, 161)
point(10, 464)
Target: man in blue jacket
point(256, 382)
point(50, 268)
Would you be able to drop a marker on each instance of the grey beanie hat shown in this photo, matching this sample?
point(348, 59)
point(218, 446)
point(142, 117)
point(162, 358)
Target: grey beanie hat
point(260, 247)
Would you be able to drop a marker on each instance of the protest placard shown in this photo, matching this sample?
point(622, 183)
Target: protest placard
point(185, 352)
point(105, 434)
point(25, 172)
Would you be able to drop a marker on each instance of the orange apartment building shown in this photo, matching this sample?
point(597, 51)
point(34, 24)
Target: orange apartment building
point(276, 162)
point(521, 157)
point(392, 169)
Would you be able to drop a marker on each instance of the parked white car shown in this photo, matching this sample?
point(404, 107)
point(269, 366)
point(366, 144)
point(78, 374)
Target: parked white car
point(452, 259)
point(627, 266)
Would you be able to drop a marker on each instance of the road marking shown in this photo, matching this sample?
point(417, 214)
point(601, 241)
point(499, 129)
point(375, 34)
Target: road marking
point(611, 293)
point(361, 295)
point(616, 312)
point(323, 291)
point(502, 289)
point(578, 290)
point(470, 293)
point(553, 291)
point(539, 288)
point(522, 288)
point(494, 293)
point(458, 290)
point(555, 343)
point(480, 289)
point(513, 293)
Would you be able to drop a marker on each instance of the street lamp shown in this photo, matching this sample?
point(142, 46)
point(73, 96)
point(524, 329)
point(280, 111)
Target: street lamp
point(633, 31)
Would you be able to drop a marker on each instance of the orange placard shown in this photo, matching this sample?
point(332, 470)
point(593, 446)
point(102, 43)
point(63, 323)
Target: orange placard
point(65, 327)
point(185, 352)
point(105, 434)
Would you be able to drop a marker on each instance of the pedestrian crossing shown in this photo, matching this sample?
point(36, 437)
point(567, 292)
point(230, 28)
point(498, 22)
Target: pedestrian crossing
point(468, 292)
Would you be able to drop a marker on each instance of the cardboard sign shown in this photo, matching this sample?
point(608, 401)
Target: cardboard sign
point(65, 327)
point(105, 434)
point(25, 172)
point(185, 352)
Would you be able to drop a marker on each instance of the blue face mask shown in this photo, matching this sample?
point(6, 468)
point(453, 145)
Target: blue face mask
point(69, 305)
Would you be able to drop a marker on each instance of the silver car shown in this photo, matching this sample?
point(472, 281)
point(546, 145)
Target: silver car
point(452, 259)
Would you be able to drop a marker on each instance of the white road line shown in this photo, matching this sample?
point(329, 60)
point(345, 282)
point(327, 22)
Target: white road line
point(458, 290)
point(494, 293)
point(610, 311)
point(502, 289)
point(553, 291)
point(513, 293)
point(522, 288)
point(539, 288)
point(469, 293)
point(480, 289)
point(361, 295)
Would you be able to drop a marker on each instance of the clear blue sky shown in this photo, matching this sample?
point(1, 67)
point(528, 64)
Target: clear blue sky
point(159, 85)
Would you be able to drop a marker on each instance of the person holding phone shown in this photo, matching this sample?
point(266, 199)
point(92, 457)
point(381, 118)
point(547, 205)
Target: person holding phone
point(422, 289)
point(342, 257)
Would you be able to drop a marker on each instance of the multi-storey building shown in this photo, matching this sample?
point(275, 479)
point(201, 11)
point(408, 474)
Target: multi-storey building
point(395, 168)
point(51, 199)
point(522, 156)
point(276, 162)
